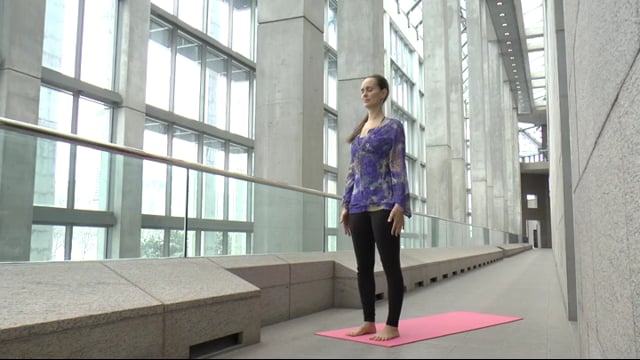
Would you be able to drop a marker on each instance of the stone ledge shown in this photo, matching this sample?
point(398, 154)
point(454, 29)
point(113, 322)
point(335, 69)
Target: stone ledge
point(513, 249)
point(162, 308)
point(173, 298)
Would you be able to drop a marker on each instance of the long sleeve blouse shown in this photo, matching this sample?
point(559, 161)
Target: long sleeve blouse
point(377, 177)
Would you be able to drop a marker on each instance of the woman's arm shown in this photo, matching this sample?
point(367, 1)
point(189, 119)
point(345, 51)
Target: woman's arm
point(398, 168)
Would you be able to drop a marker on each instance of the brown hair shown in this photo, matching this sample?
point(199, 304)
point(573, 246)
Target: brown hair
point(382, 83)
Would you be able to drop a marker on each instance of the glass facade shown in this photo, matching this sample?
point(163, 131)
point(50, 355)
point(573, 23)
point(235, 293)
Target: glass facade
point(197, 84)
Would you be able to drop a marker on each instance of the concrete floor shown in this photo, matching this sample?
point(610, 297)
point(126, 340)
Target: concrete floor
point(524, 285)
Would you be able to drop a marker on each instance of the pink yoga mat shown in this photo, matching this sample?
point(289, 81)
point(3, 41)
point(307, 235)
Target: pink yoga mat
point(427, 327)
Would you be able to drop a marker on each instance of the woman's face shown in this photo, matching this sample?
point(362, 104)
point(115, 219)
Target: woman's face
point(371, 94)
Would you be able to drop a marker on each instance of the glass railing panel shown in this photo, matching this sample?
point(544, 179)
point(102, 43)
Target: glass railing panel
point(497, 237)
point(133, 204)
point(414, 229)
point(333, 227)
point(479, 236)
point(287, 221)
point(457, 234)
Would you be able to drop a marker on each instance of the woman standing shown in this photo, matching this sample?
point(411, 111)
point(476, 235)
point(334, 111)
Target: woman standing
point(375, 201)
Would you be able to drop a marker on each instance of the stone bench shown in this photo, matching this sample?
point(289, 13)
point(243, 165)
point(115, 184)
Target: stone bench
point(153, 308)
point(191, 307)
point(420, 267)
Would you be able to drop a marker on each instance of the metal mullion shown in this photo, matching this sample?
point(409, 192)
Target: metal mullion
point(204, 52)
point(225, 207)
point(68, 245)
point(254, 32)
point(225, 243)
point(175, 8)
point(169, 172)
point(247, 244)
point(166, 244)
point(110, 184)
point(252, 99)
point(79, 38)
point(174, 54)
point(199, 188)
point(227, 120)
point(73, 152)
point(115, 78)
point(167, 210)
point(230, 30)
point(68, 236)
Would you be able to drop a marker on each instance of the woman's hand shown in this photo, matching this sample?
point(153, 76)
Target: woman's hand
point(396, 216)
point(344, 220)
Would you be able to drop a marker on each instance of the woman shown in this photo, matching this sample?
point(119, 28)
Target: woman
point(375, 201)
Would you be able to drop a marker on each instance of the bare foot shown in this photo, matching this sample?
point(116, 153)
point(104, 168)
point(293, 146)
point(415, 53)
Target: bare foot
point(366, 328)
point(388, 333)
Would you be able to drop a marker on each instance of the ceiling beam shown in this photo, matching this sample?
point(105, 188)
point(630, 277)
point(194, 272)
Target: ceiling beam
point(509, 29)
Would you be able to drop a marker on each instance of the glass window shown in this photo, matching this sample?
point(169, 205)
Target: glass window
point(154, 174)
point(331, 140)
point(331, 25)
point(98, 43)
point(213, 243)
point(332, 241)
point(185, 147)
point(187, 83)
point(216, 90)
point(242, 27)
point(177, 242)
point(151, 243)
point(218, 21)
point(213, 185)
point(238, 189)
point(92, 166)
point(88, 243)
point(192, 12)
point(240, 98)
point(60, 36)
point(166, 5)
point(237, 243)
point(402, 89)
point(53, 158)
point(63, 30)
point(159, 65)
point(331, 82)
point(331, 187)
point(47, 243)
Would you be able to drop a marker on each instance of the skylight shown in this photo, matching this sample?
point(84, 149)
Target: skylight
point(533, 18)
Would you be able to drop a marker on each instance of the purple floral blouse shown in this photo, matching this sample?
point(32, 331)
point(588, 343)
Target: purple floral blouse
point(377, 177)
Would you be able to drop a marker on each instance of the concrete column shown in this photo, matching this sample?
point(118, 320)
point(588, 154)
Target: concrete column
point(511, 156)
point(437, 97)
point(478, 77)
point(517, 178)
point(289, 122)
point(456, 114)
point(489, 108)
point(360, 54)
point(20, 69)
point(130, 118)
point(496, 134)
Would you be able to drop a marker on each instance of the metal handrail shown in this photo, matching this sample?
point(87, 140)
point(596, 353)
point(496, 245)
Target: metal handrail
point(28, 128)
point(31, 129)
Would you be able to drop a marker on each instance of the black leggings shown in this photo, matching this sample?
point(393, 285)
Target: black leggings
point(368, 230)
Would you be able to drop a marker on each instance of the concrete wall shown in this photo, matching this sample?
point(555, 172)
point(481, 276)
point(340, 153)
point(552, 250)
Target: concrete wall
point(604, 107)
point(559, 144)
point(537, 184)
